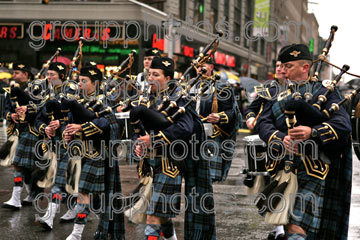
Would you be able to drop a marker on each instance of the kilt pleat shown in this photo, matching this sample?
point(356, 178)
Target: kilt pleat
point(166, 193)
point(92, 178)
point(25, 151)
point(308, 206)
point(62, 162)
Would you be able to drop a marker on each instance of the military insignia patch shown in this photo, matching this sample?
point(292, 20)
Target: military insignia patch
point(7, 89)
point(21, 66)
point(93, 63)
point(59, 67)
point(295, 53)
point(92, 72)
point(166, 63)
point(155, 51)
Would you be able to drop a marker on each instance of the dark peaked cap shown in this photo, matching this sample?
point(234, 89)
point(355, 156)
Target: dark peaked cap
point(152, 52)
point(92, 72)
point(59, 67)
point(164, 63)
point(294, 52)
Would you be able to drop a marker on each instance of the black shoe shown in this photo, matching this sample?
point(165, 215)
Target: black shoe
point(43, 225)
point(7, 206)
point(271, 236)
point(281, 237)
point(249, 181)
point(26, 203)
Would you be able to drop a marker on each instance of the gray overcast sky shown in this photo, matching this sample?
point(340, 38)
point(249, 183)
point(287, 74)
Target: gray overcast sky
point(346, 45)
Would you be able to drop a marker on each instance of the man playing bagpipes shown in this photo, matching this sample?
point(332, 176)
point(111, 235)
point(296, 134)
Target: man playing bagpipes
point(321, 207)
point(97, 175)
point(19, 112)
point(219, 108)
point(167, 173)
point(47, 123)
point(142, 78)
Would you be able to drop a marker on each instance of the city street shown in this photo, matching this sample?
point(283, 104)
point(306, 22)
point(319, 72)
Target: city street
point(236, 216)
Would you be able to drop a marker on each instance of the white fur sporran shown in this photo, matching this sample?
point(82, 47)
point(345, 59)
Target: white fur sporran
point(137, 214)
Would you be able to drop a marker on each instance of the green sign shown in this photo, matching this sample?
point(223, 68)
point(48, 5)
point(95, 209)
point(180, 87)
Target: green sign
point(261, 18)
point(311, 45)
point(93, 49)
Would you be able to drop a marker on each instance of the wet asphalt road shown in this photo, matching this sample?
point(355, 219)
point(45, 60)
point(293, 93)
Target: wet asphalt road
point(236, 217)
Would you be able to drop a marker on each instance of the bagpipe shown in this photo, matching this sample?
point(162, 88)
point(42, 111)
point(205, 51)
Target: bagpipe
point(86, 109)
point(301, 109)
point(19, 96)
point(39, 89)
point(168, 110)
point(43, 90)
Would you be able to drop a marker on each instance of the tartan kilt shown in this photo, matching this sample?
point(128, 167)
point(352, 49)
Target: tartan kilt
point(307, 209)
point(25, 151)
point(166, 193)
point(92, 177)
point(221, 162)
point(60, 179)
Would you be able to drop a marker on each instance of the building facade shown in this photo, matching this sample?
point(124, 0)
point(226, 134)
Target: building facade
point(147, 23)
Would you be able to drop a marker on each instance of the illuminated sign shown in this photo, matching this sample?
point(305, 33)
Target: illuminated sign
point(11, 31)
point(188, 51)
point(224, 59)
point(158, 43)
point(63, 32)
point(220, 58)
point(92, 49)
point(230, 61)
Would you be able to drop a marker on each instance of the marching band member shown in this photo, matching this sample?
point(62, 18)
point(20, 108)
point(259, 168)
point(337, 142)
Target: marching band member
point(142, 77)
point(220, 109)
point(92, 179)
point(24, 160)
point(328, 184)
point(56, 74)
point(167, 173)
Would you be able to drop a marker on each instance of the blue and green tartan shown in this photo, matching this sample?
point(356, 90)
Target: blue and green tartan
point(337, 198)
point(92, 178)
point(116, 226)
point(221, 163)
point(199, 225)
point(25, 151)
point(164, 202)
point(62, 162)
point(308, 207)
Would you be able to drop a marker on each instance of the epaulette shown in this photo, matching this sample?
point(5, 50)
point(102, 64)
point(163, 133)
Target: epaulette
point(262, 92)
point(222, 88)
point(7, 89)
